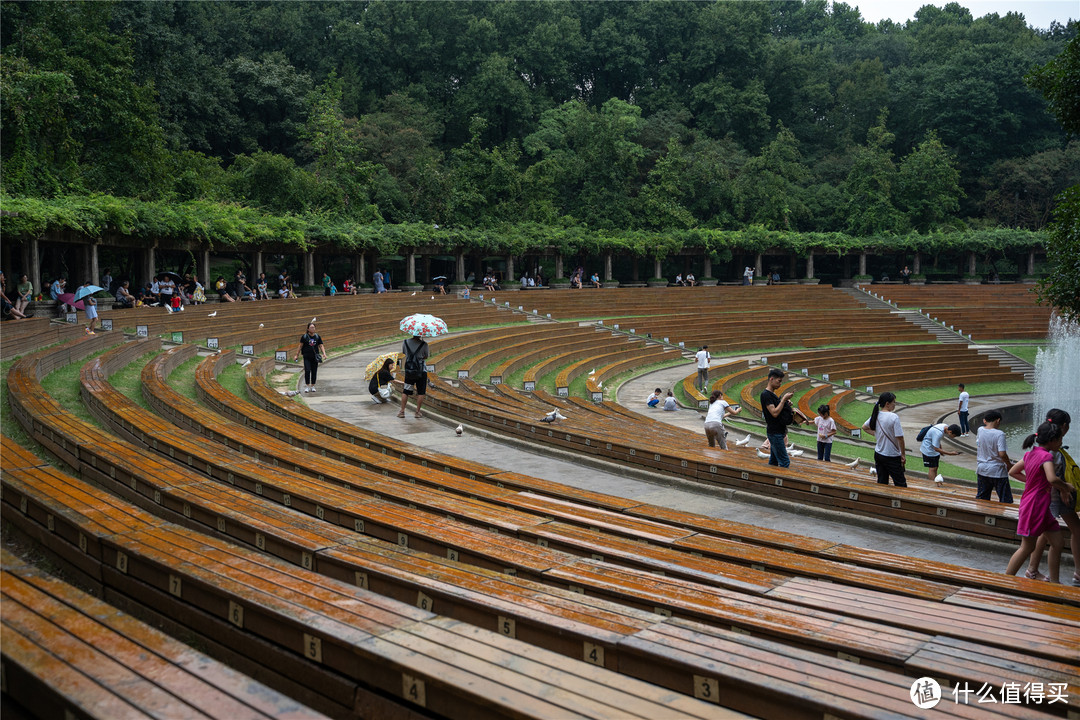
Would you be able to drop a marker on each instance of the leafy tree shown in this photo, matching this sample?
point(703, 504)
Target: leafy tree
point(928, 185)
point(768, 191)
point(1059, 82)
point(1061, 288)
point(871, 186)
point(661, 205)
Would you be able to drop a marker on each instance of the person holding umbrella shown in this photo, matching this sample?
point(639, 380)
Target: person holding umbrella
point(311, 347)
point(415, 350)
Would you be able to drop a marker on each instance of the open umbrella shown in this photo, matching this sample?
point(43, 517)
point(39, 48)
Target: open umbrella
point(86, 290)
point(423, 325)
point(69, 299)
point(439, 277)
point(374, 366)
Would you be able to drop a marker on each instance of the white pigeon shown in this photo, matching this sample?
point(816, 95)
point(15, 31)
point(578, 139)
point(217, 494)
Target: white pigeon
point(313, 319)
point(599, 384)
point(458, 430)
point(290, 393)
point(791, 446)
point(168, 309)
point(761, 454)
point(245, 363)
point(853, 463)
point(213, 314)
point(559, 415)
point(741, 443)
point(593, 371)
point(432, 297)
point(553, 416)
point(873, 471)
point(939, 479)
point(412, 294)
point(261, 326)
point(795, 453)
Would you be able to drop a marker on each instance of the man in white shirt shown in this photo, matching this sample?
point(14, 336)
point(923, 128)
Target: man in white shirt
point(703, 359)
point(992, 472)
point(962, 411)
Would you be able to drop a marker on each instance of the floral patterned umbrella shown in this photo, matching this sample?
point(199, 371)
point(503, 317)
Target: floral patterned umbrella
point(423, 325)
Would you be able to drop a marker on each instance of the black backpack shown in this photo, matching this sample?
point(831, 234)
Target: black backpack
point(922, 433)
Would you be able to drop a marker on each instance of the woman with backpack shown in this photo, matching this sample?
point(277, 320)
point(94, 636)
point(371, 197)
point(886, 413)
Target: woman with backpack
point(415, 350)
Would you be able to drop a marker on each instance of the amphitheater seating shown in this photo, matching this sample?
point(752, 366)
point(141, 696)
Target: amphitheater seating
point(68, 653)
point(546, 542)
point(985, 312)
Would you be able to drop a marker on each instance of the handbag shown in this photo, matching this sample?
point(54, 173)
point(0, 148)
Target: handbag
point(384, 392)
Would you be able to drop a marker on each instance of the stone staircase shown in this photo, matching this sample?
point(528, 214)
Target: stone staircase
point(944, 334)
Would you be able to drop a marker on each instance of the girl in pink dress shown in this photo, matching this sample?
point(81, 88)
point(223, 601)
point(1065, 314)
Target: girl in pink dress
point(1036, 471)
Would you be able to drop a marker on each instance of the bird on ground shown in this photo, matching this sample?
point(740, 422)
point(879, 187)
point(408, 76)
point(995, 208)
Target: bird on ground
point(458, 430)
point(593, 371)
point(791, 446)
point(261, 326)
point(313, 319)
point(599, 384)
point(853, 463)
point(412, 294)
point(873, 471)
point(213, 314)
point(432, 297)
point(939, 479)
point(245, 363)
point(762, 454)
point(741, 443)
point(795, 453)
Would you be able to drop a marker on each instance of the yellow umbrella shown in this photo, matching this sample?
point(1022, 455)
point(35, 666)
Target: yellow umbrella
point(374, 366)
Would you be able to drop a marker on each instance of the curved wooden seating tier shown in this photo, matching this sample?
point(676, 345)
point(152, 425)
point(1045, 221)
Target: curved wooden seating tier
point(649, 661)
point(276, 527)
point(689, 383)
point(67, 652)
point(985, 312)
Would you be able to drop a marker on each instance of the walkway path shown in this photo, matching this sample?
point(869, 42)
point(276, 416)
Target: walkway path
point(343, 393)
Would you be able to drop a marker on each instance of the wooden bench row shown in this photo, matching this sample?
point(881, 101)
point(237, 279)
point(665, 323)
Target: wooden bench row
point(68, 654)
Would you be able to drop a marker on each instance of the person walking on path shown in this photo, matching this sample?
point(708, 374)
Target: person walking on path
point(748, 276)
point(90, 305)
point(415, 350)
point(932, 450)
point(703, 358)
point(778, 415)
point(992, 471)
point(719, 410)
point(962, 410)
point(311, 347)
point(377, 278)
point(1066, 469)
point(1036, 471)
point(826, 428)
point(890, 453)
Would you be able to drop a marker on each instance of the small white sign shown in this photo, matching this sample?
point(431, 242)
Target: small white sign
point(806, 371)
point(847, 383)
point(784, 365)
point(428, 367)
point(462, 374)
point(281, 356)
point(142, 331)
point(616, 325)
point(598, 397)
point(857, 432)
point(530, 386)
point(106, 324)
point(211, 343)
point(764, 361)
point(825, 377)
point(870, 389)
point(564, 392)
point(247, 350)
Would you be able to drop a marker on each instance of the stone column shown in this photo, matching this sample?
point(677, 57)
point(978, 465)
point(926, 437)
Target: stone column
point(559, 266)
point(706, 271)
point(971, 263)
point(607, 266)
point(95, 271)
point(360, 267)
point(916, 265)
point(149, 265)
point(427, 267)
point(256, 264)
point(862, 263)
point(635, 274)
point(309, 268)
point(757, 266)
point(657, 268)
point(792, 266)
point(810, 265)
point(1031, 263)
point(459, 269)
point(34, 271)
point(509, 270)
point(410, 266)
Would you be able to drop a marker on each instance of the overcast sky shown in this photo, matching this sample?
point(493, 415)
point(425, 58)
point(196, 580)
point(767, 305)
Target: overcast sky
point(1038, 13)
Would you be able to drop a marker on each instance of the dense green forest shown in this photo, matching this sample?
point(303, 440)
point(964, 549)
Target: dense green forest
point(547, 117)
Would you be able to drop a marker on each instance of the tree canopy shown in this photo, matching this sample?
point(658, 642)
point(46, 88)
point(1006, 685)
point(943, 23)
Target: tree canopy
point(795, 117)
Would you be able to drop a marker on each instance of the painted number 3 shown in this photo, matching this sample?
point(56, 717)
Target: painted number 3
point(707, 689)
